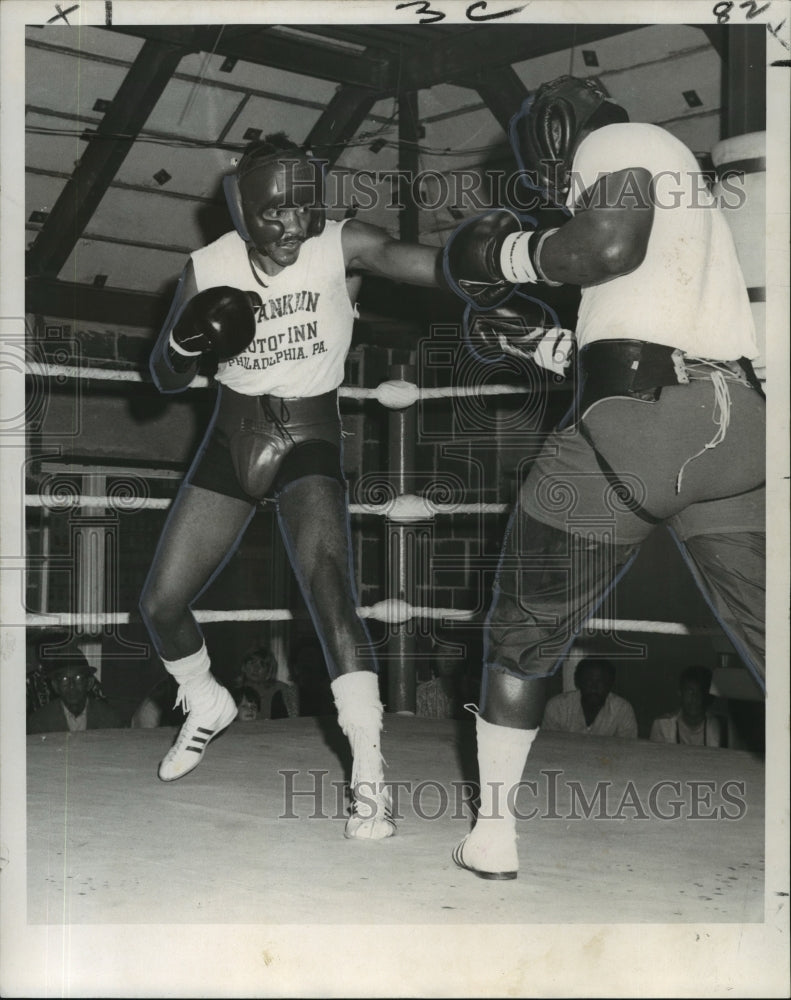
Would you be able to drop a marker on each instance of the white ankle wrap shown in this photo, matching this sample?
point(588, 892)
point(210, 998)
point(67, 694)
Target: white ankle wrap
point(360, 717)
point(502, 754)
point(189, 667)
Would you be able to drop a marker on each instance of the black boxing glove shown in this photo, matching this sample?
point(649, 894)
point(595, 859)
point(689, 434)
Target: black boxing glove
point(522, 328)
point(486, 257)
point(520, 324)
point(471, 258)
point(220, 319)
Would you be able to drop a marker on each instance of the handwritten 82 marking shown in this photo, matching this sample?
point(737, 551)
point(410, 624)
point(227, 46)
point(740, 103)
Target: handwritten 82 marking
point(432, 16)
point(722, 11)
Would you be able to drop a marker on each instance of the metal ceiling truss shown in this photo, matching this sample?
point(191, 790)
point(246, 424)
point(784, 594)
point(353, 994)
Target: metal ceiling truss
point(265, 47)
point(103, 156)
point(368, 62)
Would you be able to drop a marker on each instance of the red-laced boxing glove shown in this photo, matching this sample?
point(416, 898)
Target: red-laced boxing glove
point(220, 319)
point(486, 257)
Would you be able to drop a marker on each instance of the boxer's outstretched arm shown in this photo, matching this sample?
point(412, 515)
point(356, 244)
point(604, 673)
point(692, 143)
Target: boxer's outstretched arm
point(371, 249)
point(168, 378)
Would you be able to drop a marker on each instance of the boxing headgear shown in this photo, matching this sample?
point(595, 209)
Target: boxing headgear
point(547, 129)
point(264, 179)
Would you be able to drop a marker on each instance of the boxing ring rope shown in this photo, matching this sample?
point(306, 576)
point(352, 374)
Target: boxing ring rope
point(392, 611)
point(394, 394)
point(404, 508)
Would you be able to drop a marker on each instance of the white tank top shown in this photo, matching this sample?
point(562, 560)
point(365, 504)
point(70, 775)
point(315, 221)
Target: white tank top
point(689, 291)
point(304, 325)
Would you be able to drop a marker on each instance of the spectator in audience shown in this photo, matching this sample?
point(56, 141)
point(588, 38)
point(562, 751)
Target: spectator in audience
point(258, 666)
point(278, 699)
point(443, 696)
point(78, 703)
point(592, 708)
point(37, 689)
point(159, 707)
point(693, 724)
point(248, 701)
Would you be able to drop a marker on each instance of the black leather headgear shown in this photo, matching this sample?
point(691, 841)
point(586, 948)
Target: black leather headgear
point(266, 179)
point(547, 129)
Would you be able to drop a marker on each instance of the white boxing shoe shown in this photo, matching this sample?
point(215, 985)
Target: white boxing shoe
point(203, 723)
point(370, 816)
point(488, 854)
point(360, 712)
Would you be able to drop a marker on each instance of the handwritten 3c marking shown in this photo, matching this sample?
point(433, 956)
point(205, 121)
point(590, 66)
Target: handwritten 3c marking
point(431, 16)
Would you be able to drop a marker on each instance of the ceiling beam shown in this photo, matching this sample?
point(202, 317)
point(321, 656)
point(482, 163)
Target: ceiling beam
point(115, 135)
point(72, 300)
point(450, 60)
point(502, 91)
point(416, 68)
point(744, 81)
point(264, 47)
point(742, 50)
point(339, 121)
point(717, 35)
point(389, 38)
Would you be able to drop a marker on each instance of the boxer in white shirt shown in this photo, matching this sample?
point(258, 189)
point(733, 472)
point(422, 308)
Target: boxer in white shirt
point(274, 302)
point(668, 426)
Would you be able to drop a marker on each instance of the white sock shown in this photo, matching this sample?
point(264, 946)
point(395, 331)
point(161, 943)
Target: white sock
point(189, 667)
point(360, 717)
point(502, 754)
point(197, 686)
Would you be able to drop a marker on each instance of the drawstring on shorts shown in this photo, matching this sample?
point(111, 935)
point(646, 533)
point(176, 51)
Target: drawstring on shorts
point(271, 417)
point(721, 417)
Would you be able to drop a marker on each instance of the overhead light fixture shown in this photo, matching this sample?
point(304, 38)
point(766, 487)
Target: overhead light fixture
point(589, 57)
point(692, 98)
point(227, 64)
point(162, 177)
point(100, 104)
point(38, 216)
point(377, 145)
point(311, 38)
point(252, 134)
point(100, 281)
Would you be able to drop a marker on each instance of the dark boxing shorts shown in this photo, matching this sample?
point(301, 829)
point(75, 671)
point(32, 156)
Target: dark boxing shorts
point(256, 445)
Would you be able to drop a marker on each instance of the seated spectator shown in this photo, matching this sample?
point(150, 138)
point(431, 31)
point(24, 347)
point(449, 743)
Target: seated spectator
point(278, 699)
point(693, 724)
point(78, 703)
point(159, 707)
point(259, 666)
point(592, 708)
point(442, 697)
point(248, 701)
point(38, 690)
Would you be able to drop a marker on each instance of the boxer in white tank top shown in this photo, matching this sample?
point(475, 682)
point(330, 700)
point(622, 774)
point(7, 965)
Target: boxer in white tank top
point(274, 302)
